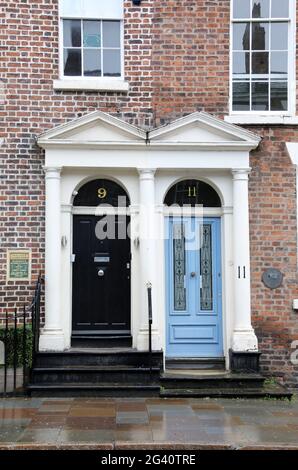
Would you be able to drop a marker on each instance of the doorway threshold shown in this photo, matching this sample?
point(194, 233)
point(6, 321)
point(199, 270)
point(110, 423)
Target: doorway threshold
point(196, 363)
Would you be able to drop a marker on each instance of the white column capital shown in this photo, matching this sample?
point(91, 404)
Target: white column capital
point(52, 172)
point(241, 174)
point(146, 173)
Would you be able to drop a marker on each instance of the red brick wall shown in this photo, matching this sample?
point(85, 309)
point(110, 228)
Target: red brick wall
point(273, 234)
point(177, 62)
point(190, 58)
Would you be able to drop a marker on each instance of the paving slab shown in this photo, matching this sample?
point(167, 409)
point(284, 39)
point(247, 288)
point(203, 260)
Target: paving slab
point(147, 423)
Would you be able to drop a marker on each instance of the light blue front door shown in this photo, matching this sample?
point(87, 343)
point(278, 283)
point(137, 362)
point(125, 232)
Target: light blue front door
point(193, 267)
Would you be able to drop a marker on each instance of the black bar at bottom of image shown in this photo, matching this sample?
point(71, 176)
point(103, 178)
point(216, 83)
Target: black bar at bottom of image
point(139, 458)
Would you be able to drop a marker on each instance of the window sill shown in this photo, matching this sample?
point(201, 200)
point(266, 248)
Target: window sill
point(91, 85)
point(261, 119)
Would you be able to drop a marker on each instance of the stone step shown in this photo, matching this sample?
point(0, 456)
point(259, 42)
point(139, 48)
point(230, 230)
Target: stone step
point(94, 374)
point(275, 392)
point(101, 341)
point(192, 381)
point(99, 357)
point(196, 363)
point(86, 390)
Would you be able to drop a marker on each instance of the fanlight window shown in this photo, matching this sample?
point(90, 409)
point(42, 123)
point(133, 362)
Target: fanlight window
point(192, 193)
point(101, 191)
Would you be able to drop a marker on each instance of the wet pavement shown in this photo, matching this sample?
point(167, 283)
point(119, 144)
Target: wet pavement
point(147, 423)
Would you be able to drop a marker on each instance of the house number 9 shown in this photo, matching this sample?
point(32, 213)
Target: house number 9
point(102, 192)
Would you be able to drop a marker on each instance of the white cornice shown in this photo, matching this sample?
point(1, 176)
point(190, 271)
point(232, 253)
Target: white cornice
point(146, 146)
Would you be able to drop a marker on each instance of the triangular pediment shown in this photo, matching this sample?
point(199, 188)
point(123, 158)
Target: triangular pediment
point(93, 128)
point(201, 128)
point(99, 129)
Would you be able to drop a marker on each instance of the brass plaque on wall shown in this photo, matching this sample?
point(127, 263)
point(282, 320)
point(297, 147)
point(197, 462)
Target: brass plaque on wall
point(18, 265)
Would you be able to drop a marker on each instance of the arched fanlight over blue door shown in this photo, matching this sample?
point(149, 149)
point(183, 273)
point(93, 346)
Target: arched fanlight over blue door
point(192, 192)
point(101, 191)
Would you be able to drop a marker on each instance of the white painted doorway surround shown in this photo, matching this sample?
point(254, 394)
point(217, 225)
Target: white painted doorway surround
point(147, 164)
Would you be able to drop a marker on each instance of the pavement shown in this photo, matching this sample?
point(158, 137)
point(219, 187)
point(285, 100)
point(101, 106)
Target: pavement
point(10, 379)
point(147, 423)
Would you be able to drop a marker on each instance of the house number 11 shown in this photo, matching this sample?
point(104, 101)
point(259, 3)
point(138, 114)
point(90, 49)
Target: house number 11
point(192, 192)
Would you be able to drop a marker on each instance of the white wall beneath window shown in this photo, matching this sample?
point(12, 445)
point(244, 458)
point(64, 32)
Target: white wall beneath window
point(103, 9)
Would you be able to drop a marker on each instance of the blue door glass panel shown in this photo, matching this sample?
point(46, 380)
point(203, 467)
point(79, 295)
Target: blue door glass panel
point(179, 266)
point(193, 267)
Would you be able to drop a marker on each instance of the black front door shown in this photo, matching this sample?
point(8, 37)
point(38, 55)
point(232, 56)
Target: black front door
point(101, 276)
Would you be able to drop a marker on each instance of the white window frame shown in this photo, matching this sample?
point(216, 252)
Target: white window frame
point(67, 82)
point(82, 77)
point(247, 117)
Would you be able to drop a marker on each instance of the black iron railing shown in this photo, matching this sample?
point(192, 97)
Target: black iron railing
point(20, 338)
point(149, 291)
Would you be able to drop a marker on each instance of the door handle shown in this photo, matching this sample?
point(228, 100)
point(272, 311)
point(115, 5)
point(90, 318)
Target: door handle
point(100, 273)
point(192, 274)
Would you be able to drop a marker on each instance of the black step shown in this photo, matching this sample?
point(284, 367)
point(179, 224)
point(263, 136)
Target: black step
point(90, 390)
point(197, 363)
point(99, 357)
point(277, 392)
point(101, 341)
point(95, 375)
point(211, 381)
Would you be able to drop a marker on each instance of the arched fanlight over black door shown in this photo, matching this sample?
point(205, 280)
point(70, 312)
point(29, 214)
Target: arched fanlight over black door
point(192, 192)
point(101, 191)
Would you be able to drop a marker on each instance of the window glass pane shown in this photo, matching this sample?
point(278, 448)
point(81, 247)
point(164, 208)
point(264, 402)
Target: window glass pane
point(192, 193)
point(279, 62)
point(240, 62)
point(72, 62)
point(259, 98)
point(265, 47)
point(111, 63)
point(260, 8)
point(259, 62)
point(179, 267)
point(279, 96)
point(279, 36)
point(260, 36)
point(241, 9)
point(72, 33)
point(92, 63)
point(92, 34)
point(206, 291)
point(280, 8)
point(241, 33)
point(111, 33)
point(240, 96)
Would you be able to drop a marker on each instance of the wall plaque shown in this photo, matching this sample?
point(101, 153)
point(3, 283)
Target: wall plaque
point(272, 278)
point(18, 265)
